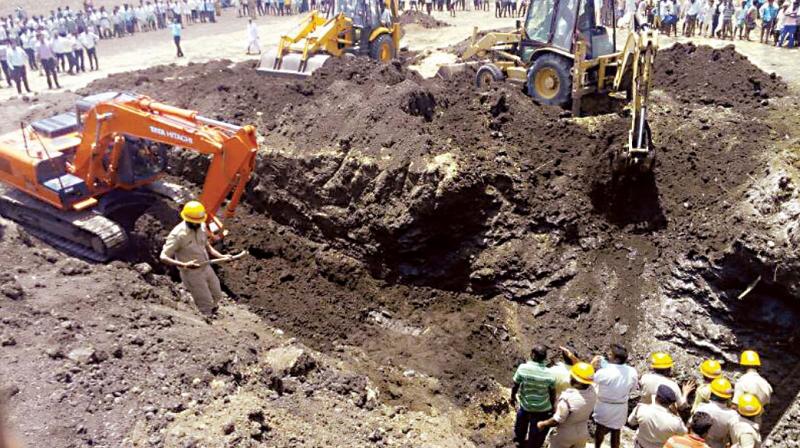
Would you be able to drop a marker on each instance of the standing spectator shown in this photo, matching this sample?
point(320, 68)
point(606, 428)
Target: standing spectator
point(209, 4)
point(47, 57)
point(750, 17)
point(252, 37)
point(768, 14)
point(535, 385)
point(669, 20)
point(727, 19)
point(77, 53)
point(4, 62)
point(176, 35)
point(28, 39)
point(715, 13)
point(89, 40)
point(739, 19)
point(62, 48)
point(16, 60)
point(693, 11)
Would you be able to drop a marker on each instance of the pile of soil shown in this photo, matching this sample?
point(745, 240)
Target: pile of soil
point(427, 21)
point(415, 199)
point(714, 76)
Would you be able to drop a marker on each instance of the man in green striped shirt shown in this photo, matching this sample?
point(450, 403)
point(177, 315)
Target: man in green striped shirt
point(534, 385)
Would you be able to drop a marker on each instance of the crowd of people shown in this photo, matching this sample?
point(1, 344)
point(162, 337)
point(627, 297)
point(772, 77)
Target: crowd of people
point(65, 40)
point(566, 395)
point(776, 20)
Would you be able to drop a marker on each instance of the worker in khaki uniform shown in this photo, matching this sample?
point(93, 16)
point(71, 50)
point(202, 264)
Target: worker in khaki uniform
point(187, 247)
point(752, 382)
point(744, 433)
point(722, 415)
point(661, 365)
point(656, 422)
point(573, 410)
point(711, 369)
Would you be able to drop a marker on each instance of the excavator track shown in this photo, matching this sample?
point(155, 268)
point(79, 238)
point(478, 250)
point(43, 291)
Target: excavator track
point(85, 234)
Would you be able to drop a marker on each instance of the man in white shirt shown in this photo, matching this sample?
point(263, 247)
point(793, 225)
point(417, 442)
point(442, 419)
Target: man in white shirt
point(16, 60)
point(89, 40)
point(252, 37)
point(4, 62)
point(614, 381)
point(47, 57)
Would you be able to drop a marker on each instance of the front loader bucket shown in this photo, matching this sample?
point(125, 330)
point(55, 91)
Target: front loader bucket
point(448, 71)
point(291, 65)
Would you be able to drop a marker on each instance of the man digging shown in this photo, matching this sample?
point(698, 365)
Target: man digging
point(187, 248)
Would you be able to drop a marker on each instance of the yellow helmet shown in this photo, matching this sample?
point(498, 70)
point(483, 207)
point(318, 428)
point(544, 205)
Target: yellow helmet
point(582, 373)
point(194, 212)
point(749, 406)
point(661, 360)
point(711, 368)
point(750, 358)
point(722, 388)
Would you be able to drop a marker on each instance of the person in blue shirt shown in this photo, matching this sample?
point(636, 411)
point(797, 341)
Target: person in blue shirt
point(769, 14)
point(176, 35)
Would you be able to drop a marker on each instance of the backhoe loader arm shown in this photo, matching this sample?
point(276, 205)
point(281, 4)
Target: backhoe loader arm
point(636, 66)
point(232, 148)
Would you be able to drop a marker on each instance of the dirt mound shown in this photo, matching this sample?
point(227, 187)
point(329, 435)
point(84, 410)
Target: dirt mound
point(714, 76)
point(419, 18)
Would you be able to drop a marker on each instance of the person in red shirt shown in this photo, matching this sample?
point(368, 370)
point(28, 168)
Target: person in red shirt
point(701, 423)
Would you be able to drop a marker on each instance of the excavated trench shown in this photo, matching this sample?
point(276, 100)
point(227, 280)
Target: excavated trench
point(437, 228)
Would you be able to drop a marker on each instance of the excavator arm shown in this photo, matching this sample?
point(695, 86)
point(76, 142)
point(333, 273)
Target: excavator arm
point(107, 125)
point(636, 67)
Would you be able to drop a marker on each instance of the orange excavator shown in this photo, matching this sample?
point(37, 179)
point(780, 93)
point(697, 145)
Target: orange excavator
point(68, 176)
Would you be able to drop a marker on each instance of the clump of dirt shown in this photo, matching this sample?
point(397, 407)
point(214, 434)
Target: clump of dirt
point(419, 18)
point(714, 76)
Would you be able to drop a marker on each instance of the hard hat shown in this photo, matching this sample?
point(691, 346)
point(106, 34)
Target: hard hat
point(750, 358)
point(582, 373)
point(749, 406)
point(194, 212)
point(722, 388)
point(661, 360)
point(711, 368)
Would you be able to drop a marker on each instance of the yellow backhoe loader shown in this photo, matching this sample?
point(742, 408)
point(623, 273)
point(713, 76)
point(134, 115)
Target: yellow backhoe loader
point(562, 54)
point(367, 27)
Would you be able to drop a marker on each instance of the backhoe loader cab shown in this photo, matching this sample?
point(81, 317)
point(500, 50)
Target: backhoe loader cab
point(356, 28)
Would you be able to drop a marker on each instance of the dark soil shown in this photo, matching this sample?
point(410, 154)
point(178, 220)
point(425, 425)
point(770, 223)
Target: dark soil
point(714, 76)
point(429, 203)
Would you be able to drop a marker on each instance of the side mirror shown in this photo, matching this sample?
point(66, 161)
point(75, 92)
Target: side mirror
point(518, 24)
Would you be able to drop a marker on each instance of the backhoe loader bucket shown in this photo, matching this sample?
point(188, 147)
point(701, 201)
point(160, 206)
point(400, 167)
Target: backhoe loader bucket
point(291, 65)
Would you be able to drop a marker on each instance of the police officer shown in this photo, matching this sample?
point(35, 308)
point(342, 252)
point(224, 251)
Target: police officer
point(187, 248)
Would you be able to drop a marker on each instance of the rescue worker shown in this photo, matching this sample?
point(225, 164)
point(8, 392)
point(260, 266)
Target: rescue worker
point(187, 247)
point(698, 428)
point(573, 410)
point(561, 370)
point(722, 415)
point(744, 433)
point(615, 380)
point(752, 382)
point(711, 369)
point(656, 422)
point(661, 365)
point(536, 387)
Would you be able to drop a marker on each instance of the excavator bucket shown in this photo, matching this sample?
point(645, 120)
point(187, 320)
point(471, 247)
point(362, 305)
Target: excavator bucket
point(290, 65)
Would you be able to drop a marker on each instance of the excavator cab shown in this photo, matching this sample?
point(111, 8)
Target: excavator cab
point(358, 27)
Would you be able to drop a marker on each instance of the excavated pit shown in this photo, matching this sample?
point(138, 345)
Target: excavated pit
point(442, 229)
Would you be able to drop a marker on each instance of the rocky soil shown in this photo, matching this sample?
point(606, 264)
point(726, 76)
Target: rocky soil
point(419, 235)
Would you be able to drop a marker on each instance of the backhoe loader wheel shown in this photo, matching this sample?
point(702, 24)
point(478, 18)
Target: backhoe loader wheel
point(488, 75)
point(382, 48)
point(550, 80)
